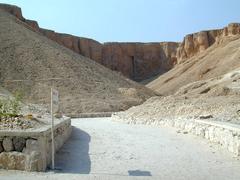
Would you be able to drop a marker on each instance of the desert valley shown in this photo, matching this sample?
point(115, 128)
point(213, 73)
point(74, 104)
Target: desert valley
point(189, 88)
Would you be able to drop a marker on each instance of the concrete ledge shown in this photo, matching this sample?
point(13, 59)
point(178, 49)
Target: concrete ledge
point(46, 129)
point(225, 125)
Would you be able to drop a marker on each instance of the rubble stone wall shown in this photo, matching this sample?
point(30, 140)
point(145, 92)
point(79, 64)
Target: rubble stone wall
point(31, 150)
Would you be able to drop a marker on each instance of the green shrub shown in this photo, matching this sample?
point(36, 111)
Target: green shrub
point(10, 107)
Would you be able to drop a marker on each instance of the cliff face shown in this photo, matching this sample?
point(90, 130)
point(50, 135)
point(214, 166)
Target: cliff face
point(137, 61)
point(198, 42)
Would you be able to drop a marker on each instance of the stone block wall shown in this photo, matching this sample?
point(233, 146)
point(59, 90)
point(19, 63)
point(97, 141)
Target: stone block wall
point(223, 133)
point(30, 150)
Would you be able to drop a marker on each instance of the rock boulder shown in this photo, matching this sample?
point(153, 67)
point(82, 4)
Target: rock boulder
point(19, 143)
point(7, 144)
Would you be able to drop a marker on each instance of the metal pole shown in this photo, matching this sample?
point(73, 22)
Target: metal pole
point(53, 144)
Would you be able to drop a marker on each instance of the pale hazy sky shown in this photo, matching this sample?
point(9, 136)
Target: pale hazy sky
point(130, 20)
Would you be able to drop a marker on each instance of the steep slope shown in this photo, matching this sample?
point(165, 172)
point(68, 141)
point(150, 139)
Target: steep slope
point(31, 63)
point(136, 60)
point(196, 43)
point(214, 99)
point(219, 59)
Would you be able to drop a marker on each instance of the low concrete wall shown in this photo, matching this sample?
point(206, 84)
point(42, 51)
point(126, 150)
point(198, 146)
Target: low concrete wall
point(30, 150)
point(223, 133)
point(91, 115)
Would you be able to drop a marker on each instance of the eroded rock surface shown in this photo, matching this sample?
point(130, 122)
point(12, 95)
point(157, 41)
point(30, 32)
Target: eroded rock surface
point(137, 61)
point(13, 160)
point(198, 42)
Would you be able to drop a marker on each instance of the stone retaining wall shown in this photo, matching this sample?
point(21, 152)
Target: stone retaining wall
point(91, 115)
point(30, 150)
point(223, 133)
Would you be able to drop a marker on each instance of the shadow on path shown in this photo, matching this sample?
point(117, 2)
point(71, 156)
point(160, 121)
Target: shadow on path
point(73, 157)
point(139, 173)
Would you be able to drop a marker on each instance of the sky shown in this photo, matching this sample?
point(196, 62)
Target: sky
point(130, 20)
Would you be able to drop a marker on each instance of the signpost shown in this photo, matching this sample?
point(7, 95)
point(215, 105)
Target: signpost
point(54, 108)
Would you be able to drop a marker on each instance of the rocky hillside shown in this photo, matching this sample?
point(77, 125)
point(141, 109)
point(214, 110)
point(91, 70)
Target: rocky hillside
point(213, 99)
point(32, 64)
point(138, 61)
point(195, 43)
point(217, 60)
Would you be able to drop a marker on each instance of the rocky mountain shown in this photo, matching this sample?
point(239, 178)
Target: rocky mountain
point(31, 63)
point(215, 61)
point(195, 43)
point(205, 86)
point(138, 61)
point(200, 77)
point(215, 99)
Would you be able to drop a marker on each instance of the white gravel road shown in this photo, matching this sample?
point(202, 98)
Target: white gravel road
point(102, 149)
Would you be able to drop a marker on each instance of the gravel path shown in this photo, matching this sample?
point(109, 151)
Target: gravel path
point(102, 149)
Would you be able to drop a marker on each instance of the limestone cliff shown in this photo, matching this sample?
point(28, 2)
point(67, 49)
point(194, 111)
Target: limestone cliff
point(198, 42)
point(137, 61)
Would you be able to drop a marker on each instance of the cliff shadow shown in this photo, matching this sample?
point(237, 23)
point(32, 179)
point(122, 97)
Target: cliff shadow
point(73, 157)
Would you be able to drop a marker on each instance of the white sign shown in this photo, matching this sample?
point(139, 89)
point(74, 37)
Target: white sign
point(55, 100)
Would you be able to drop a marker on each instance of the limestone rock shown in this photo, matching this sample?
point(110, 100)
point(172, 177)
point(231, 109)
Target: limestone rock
point(12, 160)
point(137, 61)
point(19, 143)
point(34, 162)
point(202, 41)
point(134, 60)
point(129, 92)
point(14, 10)
point(32, 24)
point(198, 42)
point(7, 144)
point(233, 28)
point(31, 145)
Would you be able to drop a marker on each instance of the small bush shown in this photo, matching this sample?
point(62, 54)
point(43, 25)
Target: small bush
point(10, 107)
